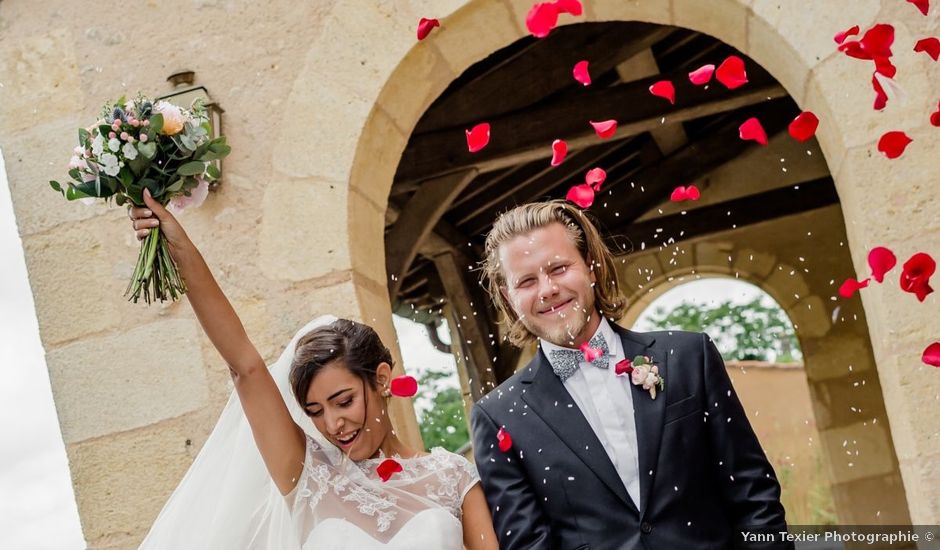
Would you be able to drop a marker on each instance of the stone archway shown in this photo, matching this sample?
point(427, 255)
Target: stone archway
point(783, 41)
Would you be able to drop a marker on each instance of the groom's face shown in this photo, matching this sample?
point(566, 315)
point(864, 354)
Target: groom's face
point(549, 285)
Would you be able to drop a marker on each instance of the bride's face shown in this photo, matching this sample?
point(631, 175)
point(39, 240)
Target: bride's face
point(348, 411)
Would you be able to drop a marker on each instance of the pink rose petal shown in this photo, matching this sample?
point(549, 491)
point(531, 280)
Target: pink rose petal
point(559, 151)
point(930, 46)
point(751, 129)
point(893, 144)
point(541, 19)
point(478, 137)
point(404, 386)
point(851, 286)
point(595, 177)
point(425, 26)
point(605, 128)
point(581, 74)
point(571, 7)
point(931, 355)
point(731, 72)
point(841, 36)
point(582, 195)
point(590, 354)
point(664, 89)
point(804, 126)
point(702, 75)
point(881, 260)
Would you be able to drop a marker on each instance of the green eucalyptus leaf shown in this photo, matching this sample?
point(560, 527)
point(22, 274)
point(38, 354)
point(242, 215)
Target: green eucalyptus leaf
point(192, 168)
point(148, 150)
point(56, 186)
point(156, 122)
point(213, 171)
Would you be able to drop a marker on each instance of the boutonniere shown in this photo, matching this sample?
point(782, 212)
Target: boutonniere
point(642, 372)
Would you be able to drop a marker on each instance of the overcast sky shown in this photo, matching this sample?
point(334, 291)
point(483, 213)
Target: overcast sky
point(37, 505)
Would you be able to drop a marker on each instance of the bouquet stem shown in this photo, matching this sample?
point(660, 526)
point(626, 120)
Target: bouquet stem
point(156, 277)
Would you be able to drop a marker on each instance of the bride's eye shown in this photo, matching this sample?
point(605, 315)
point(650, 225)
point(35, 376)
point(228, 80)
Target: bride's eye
point(314, 413)
point(346, 403)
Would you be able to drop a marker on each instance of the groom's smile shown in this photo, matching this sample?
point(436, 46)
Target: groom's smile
point(549, 285)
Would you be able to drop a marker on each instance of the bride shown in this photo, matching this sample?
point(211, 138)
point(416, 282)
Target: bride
point(273, 482)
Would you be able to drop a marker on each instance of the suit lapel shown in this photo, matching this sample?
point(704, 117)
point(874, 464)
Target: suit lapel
point(549, 399)
point(648, 412)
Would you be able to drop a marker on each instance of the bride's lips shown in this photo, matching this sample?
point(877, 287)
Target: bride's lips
point(556, 308)
point(346, 440)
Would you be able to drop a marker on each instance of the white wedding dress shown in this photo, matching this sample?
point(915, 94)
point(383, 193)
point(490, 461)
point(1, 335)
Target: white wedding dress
point(342, 505)
point(227, 500)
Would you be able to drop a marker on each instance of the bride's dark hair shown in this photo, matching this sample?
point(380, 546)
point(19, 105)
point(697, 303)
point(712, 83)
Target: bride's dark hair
point(355, 345)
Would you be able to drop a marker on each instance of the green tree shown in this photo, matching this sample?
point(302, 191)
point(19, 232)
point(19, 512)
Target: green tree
point(444, 423)
point(756, 330)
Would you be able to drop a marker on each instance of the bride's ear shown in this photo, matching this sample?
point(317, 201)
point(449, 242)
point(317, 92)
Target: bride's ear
point(383, 375)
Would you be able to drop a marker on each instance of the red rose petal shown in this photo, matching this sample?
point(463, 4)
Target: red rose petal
point(664, 89)
point(892, 144)
point(505, 440)
point(935, 117)
point(804, 126)
point(478, 137)
point(931, 355)
point(590, 353)
point(752, 130)
point(881, 260)
point(922, 5)
point(877, 40)
point(404, 386)
point(595, 177)
point(931, 46)
point(884, 66)
point(622, 367)
point(916, 273)
point(605, 128)
point(388, 468)
point(841, 36)
point(851, 286)
point(582, 195)
point(702, 75)
point(425, 26)
point(572, 7)
point(559, 151)
point(853, 48)
point(731, 72)
point(693, 193)
point(541, 19)
point(679, 194)
point(581, 73)
point(881, 98)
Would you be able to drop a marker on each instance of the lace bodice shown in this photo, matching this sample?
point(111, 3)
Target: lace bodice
point(336, 499)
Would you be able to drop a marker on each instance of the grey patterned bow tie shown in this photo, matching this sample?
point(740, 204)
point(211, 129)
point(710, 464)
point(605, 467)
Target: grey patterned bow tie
point(565, 362)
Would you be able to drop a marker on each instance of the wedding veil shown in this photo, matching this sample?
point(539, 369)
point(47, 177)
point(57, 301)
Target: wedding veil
point(227, 499)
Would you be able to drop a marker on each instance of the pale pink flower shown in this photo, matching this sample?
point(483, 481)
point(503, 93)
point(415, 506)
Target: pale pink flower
point(196, 196)
point(173, 117)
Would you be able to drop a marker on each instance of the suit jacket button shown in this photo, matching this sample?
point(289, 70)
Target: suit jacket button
point(646, 528)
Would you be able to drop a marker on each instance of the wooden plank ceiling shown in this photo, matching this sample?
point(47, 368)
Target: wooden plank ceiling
point(444, 198)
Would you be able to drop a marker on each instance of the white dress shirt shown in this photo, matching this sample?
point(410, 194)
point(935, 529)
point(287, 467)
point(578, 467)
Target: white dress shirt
point(606, 400)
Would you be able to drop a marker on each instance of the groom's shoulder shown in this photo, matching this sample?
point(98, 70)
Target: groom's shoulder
point(674, 339)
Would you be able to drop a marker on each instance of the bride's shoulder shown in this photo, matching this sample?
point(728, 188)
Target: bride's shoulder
point(455, 461)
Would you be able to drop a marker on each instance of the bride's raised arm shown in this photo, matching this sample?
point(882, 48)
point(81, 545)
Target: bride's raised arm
point(279, 439)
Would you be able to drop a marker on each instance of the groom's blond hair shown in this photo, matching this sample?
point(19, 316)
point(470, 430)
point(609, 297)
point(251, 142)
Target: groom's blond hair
point(582, 232)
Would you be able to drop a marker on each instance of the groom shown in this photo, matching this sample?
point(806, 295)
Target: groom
point(598, 461)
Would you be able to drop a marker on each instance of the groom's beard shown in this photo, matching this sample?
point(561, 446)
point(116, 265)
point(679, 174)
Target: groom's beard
point(562, 331)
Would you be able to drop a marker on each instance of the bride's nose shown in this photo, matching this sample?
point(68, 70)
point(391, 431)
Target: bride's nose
point(334, 423)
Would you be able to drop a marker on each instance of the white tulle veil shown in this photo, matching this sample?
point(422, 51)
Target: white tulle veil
point(227, 500)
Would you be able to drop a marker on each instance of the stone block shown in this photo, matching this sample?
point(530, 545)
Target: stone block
point(377, 157)
point(858, 451)
point(840, 354)
point(811, 316)
point(367, 238)
point(878, 500)
point(713, 256)
point(127, 380)
point(40, 81)
point(123, 480)
point(758, 265)
point(475, 32)
point(787, 282)
point(416, 82)
point(304, 229)
point(651, 11)
point(726, 20)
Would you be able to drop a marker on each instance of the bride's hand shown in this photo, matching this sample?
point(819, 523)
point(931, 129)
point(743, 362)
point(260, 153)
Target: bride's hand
point(155, 215)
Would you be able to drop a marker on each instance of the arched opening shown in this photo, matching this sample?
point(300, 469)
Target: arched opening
point(763, 212)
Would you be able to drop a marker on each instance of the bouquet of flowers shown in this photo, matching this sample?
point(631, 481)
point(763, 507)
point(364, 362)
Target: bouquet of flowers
point(154, 145)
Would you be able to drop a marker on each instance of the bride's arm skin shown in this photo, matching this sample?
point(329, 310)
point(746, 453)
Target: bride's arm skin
point(478, 533)
point(279, 439)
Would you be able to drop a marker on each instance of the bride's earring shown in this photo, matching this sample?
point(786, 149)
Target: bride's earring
point(386, 392)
